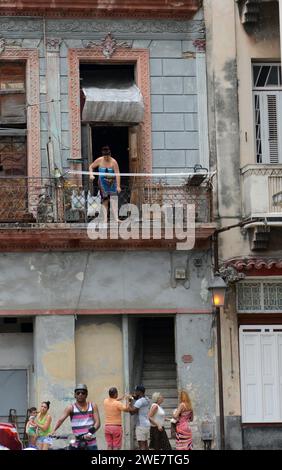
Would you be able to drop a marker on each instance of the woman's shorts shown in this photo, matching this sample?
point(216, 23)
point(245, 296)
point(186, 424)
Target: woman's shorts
point(44, 440)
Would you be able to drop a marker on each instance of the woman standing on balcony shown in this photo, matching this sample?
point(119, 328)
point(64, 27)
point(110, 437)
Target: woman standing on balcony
point(109, 179)
point(183, 415)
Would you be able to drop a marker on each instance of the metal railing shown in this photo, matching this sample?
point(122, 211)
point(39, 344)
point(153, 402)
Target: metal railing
point(26, 200)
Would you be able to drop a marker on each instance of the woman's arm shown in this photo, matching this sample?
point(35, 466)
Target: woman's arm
point(94, 165)
point(177, 413)
point(46, 425)
point(152, 412)
point(117, 173)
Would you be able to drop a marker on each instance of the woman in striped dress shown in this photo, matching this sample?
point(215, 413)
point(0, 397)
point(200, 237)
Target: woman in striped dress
point(184, 415)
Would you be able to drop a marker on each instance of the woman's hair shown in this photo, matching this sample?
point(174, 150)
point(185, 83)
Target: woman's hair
point(184, 398)
point(47, 403)
point(156, 396)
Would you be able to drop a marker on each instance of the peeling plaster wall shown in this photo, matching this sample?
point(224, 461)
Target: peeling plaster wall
point(194, 337)
point(103, 280)
point(54, 360)
point(99, 360)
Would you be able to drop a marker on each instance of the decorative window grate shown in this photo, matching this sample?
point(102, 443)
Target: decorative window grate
point(259, 296)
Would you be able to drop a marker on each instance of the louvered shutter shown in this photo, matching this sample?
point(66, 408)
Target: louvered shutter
point(250, 377)
point(269, 377)
point(268, 113)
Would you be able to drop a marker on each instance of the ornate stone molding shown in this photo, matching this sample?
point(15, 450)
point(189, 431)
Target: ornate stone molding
point(63, 27)
point(107, 46)
point(2, 45)
point(98, 8)
point(53, 44)
point(139, 57)
point(32, 96)
point(200, 45)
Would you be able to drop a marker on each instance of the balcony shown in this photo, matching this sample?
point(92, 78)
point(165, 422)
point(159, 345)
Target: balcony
point(260, 185)
point(43, 213)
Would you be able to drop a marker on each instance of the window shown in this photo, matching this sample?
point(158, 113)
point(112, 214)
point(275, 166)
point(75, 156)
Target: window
point(267, 90)
point(259, 296)
point(261, 373)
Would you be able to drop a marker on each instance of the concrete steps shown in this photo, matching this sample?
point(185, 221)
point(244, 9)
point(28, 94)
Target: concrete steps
point(159, 368)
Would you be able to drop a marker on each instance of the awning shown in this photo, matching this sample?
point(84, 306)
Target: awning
point(113, 104)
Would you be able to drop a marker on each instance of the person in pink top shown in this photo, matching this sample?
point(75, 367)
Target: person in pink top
point(183, 416)
point(113, 420)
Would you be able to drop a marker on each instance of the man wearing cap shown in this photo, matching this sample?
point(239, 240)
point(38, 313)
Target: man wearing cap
point(141, 408)
point(83, 415)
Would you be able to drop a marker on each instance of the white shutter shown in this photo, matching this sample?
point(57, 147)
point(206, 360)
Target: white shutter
point(250, 376)
point(269, 377)
point(270, 132)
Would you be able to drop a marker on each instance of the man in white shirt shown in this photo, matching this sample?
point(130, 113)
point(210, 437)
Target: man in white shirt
point(141, 408)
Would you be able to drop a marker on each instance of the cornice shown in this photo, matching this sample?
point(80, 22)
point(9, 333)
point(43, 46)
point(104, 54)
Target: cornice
point(101, 8)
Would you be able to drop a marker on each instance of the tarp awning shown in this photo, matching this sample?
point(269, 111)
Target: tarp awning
point(113, 104)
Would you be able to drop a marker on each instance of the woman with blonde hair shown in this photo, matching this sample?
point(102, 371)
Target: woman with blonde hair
point(158, 436)
point(184, 415)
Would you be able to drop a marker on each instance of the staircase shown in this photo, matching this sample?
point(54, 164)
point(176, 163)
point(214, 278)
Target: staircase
point(159, 368)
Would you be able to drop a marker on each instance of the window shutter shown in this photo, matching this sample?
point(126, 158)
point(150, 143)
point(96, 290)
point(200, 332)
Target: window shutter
point(272, 105)
point(269, 377)
point(250, 377)
point(268, 107)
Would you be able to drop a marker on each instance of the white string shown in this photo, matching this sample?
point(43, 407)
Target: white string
point(76, 172)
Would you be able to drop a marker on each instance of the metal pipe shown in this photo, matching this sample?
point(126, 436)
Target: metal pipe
point(220, 380)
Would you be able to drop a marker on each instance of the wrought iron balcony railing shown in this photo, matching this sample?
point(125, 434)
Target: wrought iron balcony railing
point(50, 201)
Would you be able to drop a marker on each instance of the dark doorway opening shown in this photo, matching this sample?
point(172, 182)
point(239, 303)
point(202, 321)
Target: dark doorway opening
point(117, 139)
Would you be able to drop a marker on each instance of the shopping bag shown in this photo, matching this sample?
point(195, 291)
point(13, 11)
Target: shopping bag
point(93, 204)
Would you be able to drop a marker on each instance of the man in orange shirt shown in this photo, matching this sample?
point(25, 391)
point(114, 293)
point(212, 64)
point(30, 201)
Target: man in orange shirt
point(113, 422)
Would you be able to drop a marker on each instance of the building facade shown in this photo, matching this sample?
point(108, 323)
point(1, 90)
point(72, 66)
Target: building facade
point(112, 311)
point(244, 63)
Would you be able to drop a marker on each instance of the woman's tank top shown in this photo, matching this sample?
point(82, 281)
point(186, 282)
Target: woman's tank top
point(159, 416)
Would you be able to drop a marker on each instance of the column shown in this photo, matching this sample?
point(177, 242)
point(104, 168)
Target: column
point(54, 363)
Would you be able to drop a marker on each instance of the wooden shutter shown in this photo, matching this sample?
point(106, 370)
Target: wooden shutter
point(134, 163)
point(250, 376)
point(269, 110)
point(269, 377)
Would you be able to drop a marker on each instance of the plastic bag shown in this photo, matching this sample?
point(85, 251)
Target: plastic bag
point(77, 200)
point(93, 204)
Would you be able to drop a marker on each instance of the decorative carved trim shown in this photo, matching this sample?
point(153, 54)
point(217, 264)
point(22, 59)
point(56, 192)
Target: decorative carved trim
point(96, 8)
point(53, 44)
point(108, 45)
point(139, 57)
point(200, 45)
point(63, 27)
point(32, 97)
point(2, 45)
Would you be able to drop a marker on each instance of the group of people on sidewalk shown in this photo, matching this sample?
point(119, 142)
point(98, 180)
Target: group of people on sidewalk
point(149, 427)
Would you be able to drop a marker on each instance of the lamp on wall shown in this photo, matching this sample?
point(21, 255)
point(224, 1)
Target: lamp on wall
point(218, 288)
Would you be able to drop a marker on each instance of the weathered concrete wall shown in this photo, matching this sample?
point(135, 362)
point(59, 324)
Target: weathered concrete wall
point(194, 337)
point(54, 363)
point(99, 359)
point(262, 438)
point(108, 280)
point(16, 352)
